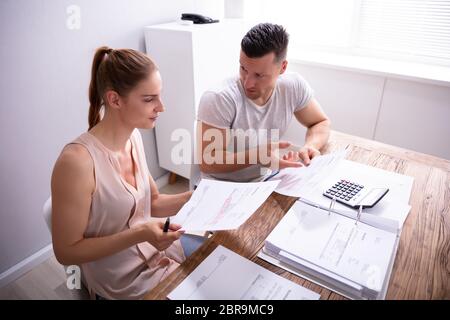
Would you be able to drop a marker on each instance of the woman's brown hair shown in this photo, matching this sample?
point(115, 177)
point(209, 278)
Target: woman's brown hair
point(119, 70)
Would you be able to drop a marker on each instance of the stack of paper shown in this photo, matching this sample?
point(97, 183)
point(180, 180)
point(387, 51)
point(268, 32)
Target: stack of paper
point(308, 183)
point(352, 258)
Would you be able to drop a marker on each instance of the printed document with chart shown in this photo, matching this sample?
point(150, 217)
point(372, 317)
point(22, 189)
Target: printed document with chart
point(225, 275)
point(220, 205)
point(347, 256)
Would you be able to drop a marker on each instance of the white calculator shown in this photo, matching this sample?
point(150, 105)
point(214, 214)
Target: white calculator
point(355, 195)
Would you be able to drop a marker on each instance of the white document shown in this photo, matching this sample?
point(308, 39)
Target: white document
point(392, 208)
point(399, 185)
point(309, 183)
point(226, 275)
point(358, 253)
point(220, 205)
point(295, 182)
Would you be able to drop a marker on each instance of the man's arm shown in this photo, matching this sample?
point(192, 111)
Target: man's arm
point(212, 144)
point(318, 132)
point(212, 151)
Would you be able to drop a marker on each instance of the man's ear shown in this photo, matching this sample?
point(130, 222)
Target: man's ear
point(284, 64)
point(112, 99)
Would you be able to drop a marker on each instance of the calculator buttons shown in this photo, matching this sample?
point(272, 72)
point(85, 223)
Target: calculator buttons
point(345, 191)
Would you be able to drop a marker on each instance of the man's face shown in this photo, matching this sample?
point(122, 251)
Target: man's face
point(259, 75)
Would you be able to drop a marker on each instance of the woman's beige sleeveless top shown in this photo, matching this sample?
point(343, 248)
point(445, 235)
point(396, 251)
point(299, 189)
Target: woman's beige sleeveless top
point(117, 206)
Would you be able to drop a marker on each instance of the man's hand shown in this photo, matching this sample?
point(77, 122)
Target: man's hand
point(291, 156)
point(277, 162)
point(307, 153)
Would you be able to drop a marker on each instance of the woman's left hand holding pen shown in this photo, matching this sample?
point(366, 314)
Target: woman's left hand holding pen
point(153, 232)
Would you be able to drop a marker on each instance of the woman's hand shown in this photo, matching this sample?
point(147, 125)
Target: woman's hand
point(152, 232)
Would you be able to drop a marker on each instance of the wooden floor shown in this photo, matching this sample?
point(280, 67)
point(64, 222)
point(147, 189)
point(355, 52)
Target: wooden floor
point(47, 281)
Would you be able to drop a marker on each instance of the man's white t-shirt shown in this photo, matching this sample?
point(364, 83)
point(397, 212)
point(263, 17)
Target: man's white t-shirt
point(227, 107)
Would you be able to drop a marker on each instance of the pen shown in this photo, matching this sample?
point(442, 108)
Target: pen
point(166, 225)
point(272, 175)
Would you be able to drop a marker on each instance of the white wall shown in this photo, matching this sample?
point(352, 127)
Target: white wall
point(416, 116)
point(45, 73)
point(351, 100)
point(405, 113)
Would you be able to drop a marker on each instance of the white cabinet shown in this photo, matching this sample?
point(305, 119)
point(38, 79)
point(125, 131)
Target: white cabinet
point(191, 59)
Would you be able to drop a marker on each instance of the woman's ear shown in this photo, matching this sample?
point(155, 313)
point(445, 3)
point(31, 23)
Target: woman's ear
point(112, 99)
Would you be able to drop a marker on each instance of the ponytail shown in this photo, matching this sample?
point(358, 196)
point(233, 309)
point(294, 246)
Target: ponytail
point(119, 70)
point(95, 99)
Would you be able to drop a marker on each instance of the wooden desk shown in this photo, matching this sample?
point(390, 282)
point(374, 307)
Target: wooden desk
point(422, 266)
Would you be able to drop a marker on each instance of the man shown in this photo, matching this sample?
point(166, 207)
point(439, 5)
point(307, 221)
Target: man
point(261, 103)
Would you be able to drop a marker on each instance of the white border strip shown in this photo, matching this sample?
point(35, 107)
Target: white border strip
point(25, 265)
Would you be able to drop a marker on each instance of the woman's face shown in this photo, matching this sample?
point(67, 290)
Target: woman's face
point(141, 107)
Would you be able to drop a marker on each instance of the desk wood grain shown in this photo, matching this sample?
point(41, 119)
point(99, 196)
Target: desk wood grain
point(421, 268)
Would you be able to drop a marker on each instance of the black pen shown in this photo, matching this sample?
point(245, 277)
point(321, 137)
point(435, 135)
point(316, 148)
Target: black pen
point(166, 225)
point(272, 175)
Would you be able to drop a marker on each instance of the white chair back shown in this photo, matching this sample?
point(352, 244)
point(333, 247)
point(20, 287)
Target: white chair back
point(195, 174)
point(47, 211)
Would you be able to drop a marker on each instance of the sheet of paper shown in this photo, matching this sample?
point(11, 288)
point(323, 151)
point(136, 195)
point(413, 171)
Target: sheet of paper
point(295, 182)
point(394, 206)
point(228, 276)
point(220, 205)
point(357, 252)
point(399, 185)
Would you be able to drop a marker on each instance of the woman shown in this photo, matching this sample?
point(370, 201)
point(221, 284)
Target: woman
point(102, 192)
